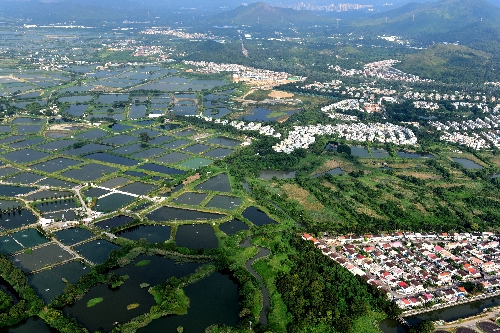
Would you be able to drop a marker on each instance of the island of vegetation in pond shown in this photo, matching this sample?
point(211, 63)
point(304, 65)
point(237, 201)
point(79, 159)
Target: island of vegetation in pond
point(94, 301)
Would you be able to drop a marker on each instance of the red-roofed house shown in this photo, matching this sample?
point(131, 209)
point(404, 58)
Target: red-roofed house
point(369, 249)
point(488, 266)
point(444, 277)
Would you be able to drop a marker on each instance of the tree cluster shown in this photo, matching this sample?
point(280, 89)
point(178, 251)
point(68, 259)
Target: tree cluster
point(319, 292)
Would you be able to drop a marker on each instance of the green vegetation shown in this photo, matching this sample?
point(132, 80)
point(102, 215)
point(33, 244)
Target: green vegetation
point(449, 63)
point(302, 300)
point(425, 326)
point(29, 305)
point(5, 301)
point(258, 95)
point(132, 306)
point(94, 301)
point(143, 263)
point(307, 291)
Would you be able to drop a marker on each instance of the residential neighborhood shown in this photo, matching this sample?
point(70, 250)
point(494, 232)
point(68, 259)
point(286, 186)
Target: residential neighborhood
point(304, 136)
point(245, 73)
point(417, 269)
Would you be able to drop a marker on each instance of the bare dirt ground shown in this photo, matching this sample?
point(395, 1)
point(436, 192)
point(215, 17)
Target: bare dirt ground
point(280, 94)
point(331, 164)
point(303, 197)
point(61, 127)
point(191, 179)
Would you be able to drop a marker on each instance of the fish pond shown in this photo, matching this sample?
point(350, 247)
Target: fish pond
point(144, 270)
point(257, 217)
point(173, 157)
point(55, 165)
point(49, 283)
point(225, 141)
point(41, 257)
point(114, 222)
point(196, 236)
point(219, 183)
point(224, 202)
point(16, 218)
point(151, 233)
point(213, 300)
point(138, 188)
point(91, 171)
point(179, 214)
point(335, 171)
point(97, 251)
point(112, 202)
point(31, 325)
point(405, 154)
point(233, 226)
point(161, 169)
point(196, 162)
point(466, 163)
point(25, 155)
point(219, 153)
point(190, 198)
point(72, 236)
point(108, 158)
point(197, 148)
point(269, 174)
point(8, 245)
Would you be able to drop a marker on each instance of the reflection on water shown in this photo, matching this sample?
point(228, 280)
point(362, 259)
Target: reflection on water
point(446, 314)
point(269, 174)
point(466, 163)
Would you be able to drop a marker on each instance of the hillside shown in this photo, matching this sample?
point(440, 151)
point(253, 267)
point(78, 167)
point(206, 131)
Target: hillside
point(436, 17)
point(451, 63)
point(260, 13)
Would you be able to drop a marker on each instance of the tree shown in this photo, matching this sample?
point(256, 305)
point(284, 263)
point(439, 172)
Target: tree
point(343, 148)
point(5, 301)
point(144, 137)
point(425, 326)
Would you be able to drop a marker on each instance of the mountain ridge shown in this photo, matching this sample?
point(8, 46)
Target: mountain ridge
point(262, 13)
point(438, 16)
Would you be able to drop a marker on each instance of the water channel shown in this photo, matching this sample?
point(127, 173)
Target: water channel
point(446, 314)
point(263, 252)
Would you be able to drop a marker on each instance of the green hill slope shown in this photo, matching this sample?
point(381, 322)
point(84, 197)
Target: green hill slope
point(436, 17)
point(451, 64)
point(260, 13)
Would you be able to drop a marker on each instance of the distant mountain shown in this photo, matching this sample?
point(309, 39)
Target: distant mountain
point(260, 13)
point(435, 17)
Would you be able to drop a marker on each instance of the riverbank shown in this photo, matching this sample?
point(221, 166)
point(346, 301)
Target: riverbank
point(486, 315)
